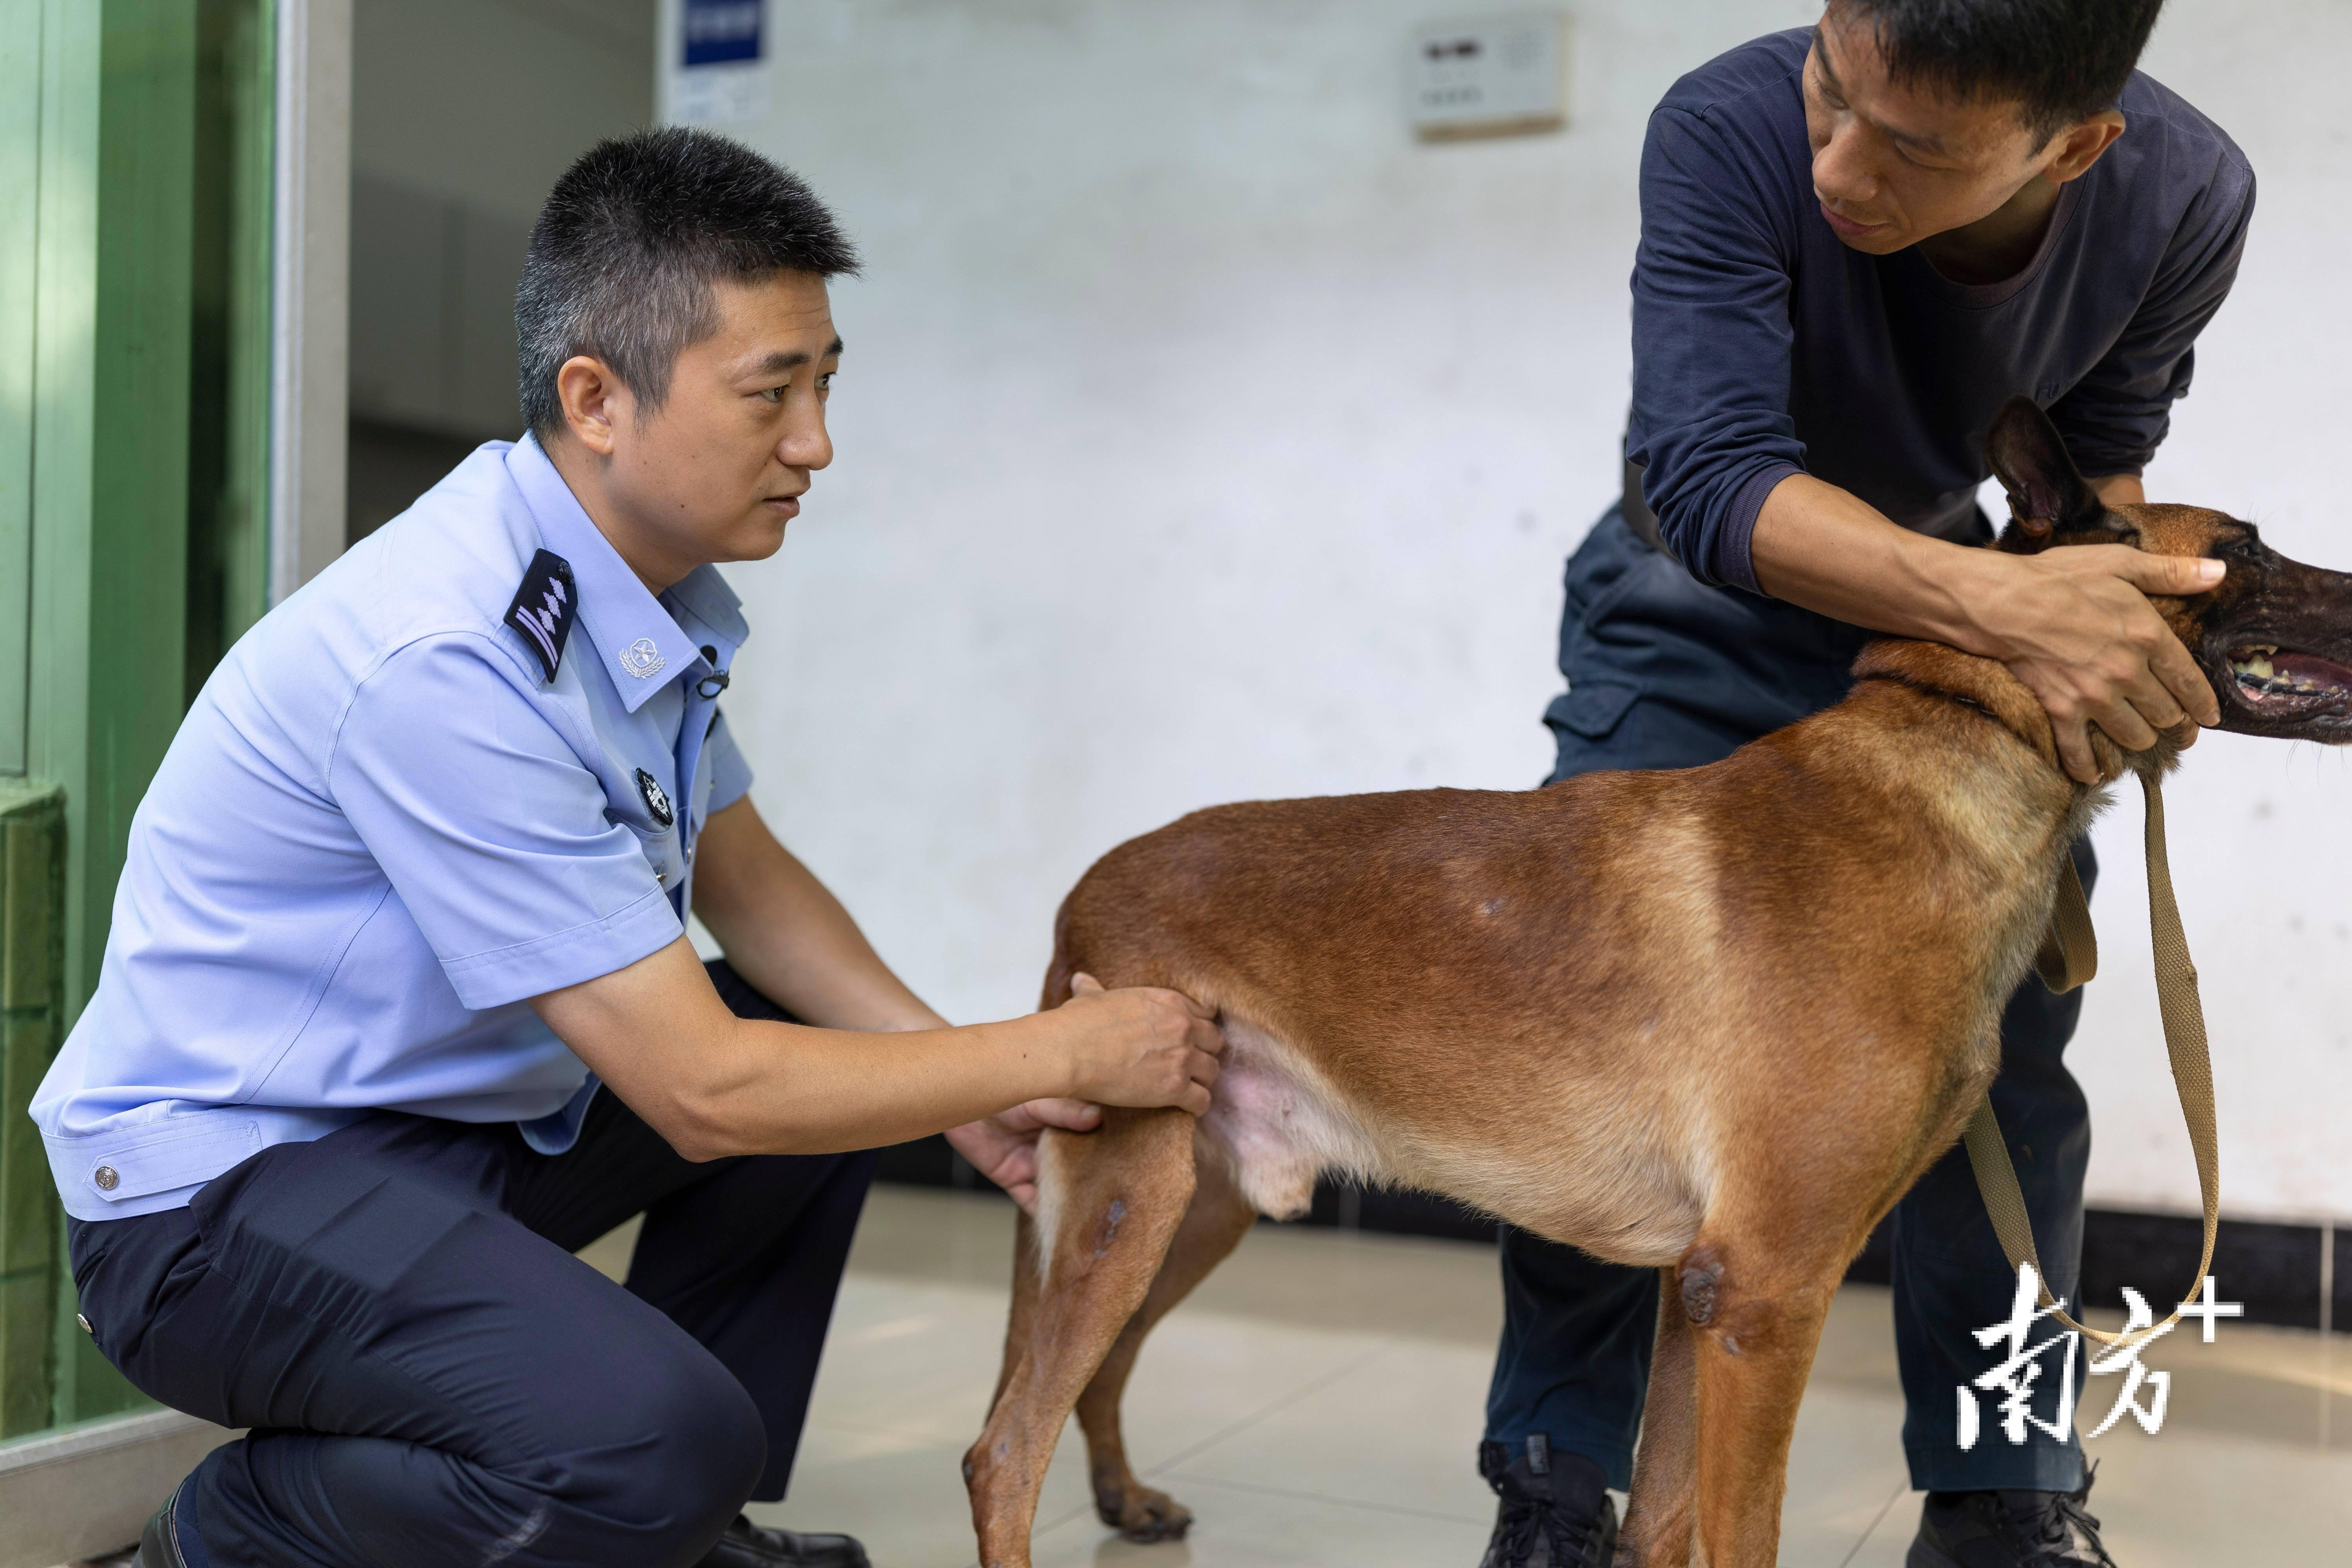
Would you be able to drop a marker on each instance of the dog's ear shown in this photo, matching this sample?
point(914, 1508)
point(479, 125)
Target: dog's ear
point(2047, 494)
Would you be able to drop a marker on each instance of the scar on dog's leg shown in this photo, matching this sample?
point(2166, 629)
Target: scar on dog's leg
point(1115, 1198)
point(1658, 1514)
point(1214, 1225)
point(1763, 1312)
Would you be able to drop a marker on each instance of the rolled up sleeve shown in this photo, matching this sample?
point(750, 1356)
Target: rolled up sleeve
point(492, 831)
point(1711, 427)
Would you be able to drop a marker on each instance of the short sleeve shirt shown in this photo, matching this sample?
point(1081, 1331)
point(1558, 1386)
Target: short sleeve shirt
point(464, 766)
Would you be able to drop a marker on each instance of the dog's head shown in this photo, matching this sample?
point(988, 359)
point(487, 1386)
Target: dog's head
point(2274, 637)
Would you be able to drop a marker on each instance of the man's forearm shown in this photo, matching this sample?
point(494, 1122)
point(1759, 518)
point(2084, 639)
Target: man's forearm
point(2074, 625)
point(714, 1084)
point(784, 932)
point(1829, 550)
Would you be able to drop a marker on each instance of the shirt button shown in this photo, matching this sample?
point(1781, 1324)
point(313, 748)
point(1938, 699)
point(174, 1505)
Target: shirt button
point(106, 1179)
point(84, 1324)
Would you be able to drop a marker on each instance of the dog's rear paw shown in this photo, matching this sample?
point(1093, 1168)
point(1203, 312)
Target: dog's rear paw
point(1142, 1515)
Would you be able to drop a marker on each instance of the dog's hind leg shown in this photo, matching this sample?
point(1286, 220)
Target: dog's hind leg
point(1214, 1225)
point(1110, 1203)
point(1658, 1513)
point(1017, 1322)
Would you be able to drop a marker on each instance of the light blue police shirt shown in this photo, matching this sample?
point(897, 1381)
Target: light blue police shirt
point(381, 827)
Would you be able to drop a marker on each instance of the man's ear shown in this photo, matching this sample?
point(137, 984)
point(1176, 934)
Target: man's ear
point(2047, 493)
point(594, 401)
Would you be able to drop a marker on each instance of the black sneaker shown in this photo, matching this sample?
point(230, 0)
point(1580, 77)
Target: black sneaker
point(2008, 1529)
point(159, 1543)
point(1556, 1509)
point(748, 1545)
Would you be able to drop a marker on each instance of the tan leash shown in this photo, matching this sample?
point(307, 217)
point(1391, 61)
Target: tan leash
point(2069, 956)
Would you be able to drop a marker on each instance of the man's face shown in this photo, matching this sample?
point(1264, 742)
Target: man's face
point(1895, 164)
point(716, 472)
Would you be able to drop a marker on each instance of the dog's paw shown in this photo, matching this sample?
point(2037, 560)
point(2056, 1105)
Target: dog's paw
point(1142, 1515)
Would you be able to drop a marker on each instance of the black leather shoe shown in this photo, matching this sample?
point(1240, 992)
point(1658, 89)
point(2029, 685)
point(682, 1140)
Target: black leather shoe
point(2008, 1529)
point(1556, 1510)
point(748, 1545)
point(159, 1543)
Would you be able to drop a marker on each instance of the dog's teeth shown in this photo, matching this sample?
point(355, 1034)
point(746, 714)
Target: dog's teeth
point(2258, 666)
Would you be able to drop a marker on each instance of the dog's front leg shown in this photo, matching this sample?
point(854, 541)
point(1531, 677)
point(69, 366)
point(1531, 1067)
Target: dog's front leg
point(1754, 1322)
point(1660, 1511)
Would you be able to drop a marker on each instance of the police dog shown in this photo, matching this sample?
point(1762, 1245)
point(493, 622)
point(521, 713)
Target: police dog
point(1615, 1013)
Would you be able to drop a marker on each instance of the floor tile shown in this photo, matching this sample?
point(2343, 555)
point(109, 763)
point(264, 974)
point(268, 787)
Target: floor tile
point(1247, 1526)
point(1318, 1402)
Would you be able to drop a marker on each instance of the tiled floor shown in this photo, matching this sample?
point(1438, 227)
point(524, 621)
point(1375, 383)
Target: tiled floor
point(1318, 1402)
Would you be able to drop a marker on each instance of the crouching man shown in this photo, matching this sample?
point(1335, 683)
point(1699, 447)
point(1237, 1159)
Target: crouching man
point(398, 1008)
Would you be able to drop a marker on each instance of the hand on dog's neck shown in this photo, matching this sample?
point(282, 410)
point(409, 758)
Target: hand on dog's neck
point(1987, 686)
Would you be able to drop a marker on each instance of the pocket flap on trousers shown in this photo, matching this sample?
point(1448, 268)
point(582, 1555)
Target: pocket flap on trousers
point(1592, 707)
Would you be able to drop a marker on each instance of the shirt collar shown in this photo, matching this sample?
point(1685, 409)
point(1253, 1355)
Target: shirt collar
point(639, 643)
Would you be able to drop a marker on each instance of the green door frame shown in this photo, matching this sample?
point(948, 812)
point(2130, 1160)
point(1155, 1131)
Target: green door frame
point(135, 170)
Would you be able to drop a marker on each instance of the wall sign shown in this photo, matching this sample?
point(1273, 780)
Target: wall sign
point(718, 31)
point(720, 77)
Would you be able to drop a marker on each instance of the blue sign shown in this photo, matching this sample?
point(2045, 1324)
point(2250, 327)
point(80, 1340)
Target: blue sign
point(718, 31)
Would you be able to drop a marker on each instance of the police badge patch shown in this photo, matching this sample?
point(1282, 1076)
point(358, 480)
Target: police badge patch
point(657, 802)
point(545, 609)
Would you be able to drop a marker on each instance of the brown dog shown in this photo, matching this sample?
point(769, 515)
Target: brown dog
point(1712, 1022)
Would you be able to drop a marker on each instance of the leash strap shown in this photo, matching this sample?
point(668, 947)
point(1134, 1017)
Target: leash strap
point(2069, 952)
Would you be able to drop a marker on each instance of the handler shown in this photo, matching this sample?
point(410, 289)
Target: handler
point(411, 884)
point(1857, 241)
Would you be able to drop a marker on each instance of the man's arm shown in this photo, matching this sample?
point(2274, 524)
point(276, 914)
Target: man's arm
point(2074, 624)
point(785, 932)
point(714, 1084)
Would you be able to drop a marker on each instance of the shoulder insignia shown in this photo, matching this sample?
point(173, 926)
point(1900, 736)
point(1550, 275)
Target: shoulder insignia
point(545, 606)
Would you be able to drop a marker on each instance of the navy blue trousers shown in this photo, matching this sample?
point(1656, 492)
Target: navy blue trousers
point(1666, 672)
point(429, 1374)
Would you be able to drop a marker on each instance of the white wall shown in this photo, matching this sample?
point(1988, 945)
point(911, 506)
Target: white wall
point(464, 113)
point(1203, 437)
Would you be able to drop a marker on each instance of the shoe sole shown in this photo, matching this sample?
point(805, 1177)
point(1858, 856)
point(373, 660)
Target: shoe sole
point(1926, 1555)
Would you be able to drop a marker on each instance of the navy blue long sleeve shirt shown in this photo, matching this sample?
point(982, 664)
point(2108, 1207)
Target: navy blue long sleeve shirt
point(1764, 347)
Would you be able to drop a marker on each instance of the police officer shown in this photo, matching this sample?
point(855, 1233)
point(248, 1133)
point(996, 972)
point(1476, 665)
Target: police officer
point(398, 1008)
point(1857, 242)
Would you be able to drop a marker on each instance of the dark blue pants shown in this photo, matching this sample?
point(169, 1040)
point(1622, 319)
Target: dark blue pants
point(430, 1375)
point(1666, 672)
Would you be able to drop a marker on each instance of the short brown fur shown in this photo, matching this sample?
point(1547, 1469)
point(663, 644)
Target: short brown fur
point(1714, 1021)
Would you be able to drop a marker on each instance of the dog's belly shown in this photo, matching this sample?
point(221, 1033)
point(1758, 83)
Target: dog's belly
point(1610, 1180)
point(1279, 1124)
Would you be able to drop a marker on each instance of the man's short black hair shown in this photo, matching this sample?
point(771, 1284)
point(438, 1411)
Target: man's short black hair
point(2061, 60)
point(633, 236)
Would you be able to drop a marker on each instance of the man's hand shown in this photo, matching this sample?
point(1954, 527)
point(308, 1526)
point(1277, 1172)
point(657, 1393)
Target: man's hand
point(1144, 1041)
point(2074, 625)
point(1142, 1046)
point(1004, 1147)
